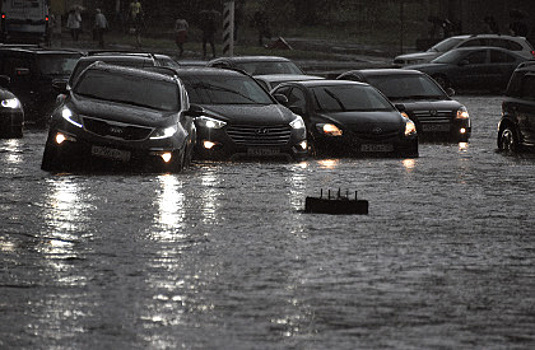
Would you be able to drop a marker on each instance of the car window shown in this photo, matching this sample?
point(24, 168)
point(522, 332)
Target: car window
point(500, 57)
point(405, 86)
point(477, 57)
point(527, 89)
point(130, 89)
point(446, 45)
point(344, 98)
point(56, 64)
point(296, 98)
point(218, 89)
point(473, 42)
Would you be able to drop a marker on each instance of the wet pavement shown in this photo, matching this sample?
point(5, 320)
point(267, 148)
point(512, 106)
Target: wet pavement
point(223, 257)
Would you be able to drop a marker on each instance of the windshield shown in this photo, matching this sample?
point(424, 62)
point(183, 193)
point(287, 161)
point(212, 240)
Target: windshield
point(269, 67)
point(343, 98)
point(57, 64)
point(446, 45)
point(135, 90)
point(225, 90)
point(406, 86)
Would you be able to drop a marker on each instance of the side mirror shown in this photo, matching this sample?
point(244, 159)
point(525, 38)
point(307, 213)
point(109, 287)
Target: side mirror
point(450, 92)
point(194, 110)
point(400, 107)
point(60, 86)
point(282, 99)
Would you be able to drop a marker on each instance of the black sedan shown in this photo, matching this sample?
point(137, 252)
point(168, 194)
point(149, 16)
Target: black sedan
point(121, 118)
point(11, 113)
point(473, 68)
point(420, 98)
point(257, 65)
point(237, 118)
point(350, 118)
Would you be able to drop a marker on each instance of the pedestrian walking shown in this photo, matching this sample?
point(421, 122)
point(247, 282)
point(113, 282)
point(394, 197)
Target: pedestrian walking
point(261, 23)
point(101, 25)
point(74, 23)
point(181, 34)
point(208, 27)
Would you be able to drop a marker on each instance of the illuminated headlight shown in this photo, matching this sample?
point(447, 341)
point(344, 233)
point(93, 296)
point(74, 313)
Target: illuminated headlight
point(210, 123)
point(163, 133)
point(462, 113)
point(297, 123)
point(410, 128)
point(71, 117)
point(329, 129)
point(303, 145)
point(11, 103)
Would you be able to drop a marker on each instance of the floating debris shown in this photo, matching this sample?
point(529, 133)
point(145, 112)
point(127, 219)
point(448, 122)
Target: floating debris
point(336, 203)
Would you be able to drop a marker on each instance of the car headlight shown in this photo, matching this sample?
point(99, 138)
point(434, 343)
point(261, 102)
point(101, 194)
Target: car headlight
point(210, 123)
point(11, 103)
point(71, 117)
point(163, 133)
point(462, 113)
point(297, 123)
point(410, 128)
point(329, 129)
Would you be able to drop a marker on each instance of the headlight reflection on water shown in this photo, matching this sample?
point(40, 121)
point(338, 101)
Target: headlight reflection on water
point(170, 201)
point(13, 151)
point(328, 163)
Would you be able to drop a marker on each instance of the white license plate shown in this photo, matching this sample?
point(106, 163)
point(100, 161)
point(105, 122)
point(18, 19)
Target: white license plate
point(110, 153)
point(260, 151)
point(436, 127)
point(387, 147)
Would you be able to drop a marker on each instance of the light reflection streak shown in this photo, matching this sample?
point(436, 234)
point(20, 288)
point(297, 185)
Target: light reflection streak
point(463, 147)
point(12, 146)
point(298, 183)
point(409, 164)
point(328, 163)
point(209, 183)
point(171, 202)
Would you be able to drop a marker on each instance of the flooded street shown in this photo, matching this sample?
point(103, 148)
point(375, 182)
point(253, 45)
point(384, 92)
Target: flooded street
point(222, 256)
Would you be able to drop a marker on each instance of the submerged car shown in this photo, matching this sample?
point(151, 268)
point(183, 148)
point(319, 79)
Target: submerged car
point(11, 113)
point(420, 98)
point(257, 65)
point(516, 129)
point(473, 68)
point(350, 119)
point(121, 118)
point(237, 118)
point(517, 44)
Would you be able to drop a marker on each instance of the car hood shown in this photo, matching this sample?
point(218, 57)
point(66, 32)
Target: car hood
point(431, 104)
point(272, 114)
point(119, 112)
point(366, 121)
point(420, 56)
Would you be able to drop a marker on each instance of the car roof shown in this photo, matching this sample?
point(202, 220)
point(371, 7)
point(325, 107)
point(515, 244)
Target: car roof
point(327, 82)
point(384, 71)
point(286, 77)
point(38, 50)
point(487, 35)
point(101, 66)
point(209, 71)
point(251, 59)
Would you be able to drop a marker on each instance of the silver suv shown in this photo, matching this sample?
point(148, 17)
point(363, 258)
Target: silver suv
point(518, 44)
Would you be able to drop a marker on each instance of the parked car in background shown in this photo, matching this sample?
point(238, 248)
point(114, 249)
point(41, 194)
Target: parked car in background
point(11, 112)
point(346, 118)
point(517, 44)
point(257, 65)
point(420, 98)
point(473, 68)
point(32, 70)
point(121, 118)
point(237, 118)
point(270, 81)
point(516, 129)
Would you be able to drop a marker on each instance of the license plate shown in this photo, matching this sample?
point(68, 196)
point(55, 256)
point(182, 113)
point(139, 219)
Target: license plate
point(435, 127)
point(259, 151)
point(110, 153)
point(386, 147)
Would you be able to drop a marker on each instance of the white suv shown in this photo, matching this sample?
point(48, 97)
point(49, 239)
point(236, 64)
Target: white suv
point(518, 44)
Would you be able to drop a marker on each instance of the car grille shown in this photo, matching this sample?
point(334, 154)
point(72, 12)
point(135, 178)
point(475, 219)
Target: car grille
point(378, 135)
point(433, 117)
point(260, 135)
point(114, 130)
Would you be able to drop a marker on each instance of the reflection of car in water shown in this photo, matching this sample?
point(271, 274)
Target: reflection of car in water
point(346, 118)
point(11, 113)
point(420, 98)
point(257, 65)
point(236, 117)
point(32, 70)
point(516, 130)
point(473, 68)
point(118, 117)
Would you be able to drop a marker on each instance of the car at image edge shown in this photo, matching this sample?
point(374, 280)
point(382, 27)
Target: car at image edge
point(11, 112)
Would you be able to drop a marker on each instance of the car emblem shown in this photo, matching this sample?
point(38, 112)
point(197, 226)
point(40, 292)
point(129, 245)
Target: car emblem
point(433, 112)
point(262, 131)
point(377, 131)
point(116, 130)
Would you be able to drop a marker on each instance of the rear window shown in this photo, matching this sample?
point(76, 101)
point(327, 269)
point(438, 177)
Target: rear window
point(129, 89)
point(57, 64)
point(343, 98)
point(406, 86)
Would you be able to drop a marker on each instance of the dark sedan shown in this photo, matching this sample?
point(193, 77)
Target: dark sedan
point(350, 118)
point(121, 118)
point(257, 65)
point(11, 113)
point(420, 98)
point(237, 118)
point(473, 68)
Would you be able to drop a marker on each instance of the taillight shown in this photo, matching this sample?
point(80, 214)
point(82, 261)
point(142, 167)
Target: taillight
point(46, 18)
point(3, 16)
point(533, 53)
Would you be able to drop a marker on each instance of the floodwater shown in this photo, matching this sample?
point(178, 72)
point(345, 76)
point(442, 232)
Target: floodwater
point(223, 257)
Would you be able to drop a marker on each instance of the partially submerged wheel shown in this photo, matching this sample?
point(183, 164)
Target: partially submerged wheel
point(508, 141)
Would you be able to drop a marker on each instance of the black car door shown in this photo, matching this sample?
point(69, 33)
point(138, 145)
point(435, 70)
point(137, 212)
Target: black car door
point(525, 110)
point(472, 70)
point(502, 64)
